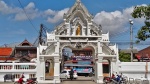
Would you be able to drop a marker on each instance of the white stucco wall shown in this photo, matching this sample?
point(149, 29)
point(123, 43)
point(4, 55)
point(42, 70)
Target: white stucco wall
point(16, 79)
point(134, 69)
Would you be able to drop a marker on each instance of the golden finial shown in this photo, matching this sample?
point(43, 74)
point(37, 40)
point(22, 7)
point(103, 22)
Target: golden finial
point(78, 1)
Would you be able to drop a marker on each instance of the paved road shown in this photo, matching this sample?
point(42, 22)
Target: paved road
point(80, 80)
point(67, 82)
point(6, 83)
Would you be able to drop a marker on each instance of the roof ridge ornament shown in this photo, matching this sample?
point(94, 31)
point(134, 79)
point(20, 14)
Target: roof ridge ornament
point(78, 1)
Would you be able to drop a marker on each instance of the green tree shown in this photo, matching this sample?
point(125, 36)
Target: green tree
point(144, 31)
point(124, 57)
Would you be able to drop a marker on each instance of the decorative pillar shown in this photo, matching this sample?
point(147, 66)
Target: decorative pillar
point(40, 69)
point(111, 71)
point(99, 65)
point(88, 30)
point(68, 28)
point(73, 31)
point(115, 65)
point(56, 70)
point(99, 44)
point(57, 62)
point(84, 31)
point(99, 71)
point(57, 45)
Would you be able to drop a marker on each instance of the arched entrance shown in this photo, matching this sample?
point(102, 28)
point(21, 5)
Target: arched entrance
point(49, 68)
point(107, 67)
point(81, 61)
point(81, 58)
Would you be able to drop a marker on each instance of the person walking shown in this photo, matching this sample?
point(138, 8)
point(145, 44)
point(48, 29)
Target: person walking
point(71, 73)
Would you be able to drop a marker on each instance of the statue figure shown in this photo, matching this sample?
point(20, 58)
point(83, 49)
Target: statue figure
point(78, 31)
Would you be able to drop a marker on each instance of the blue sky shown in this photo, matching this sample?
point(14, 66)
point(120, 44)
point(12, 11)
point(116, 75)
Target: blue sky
point(113, 15)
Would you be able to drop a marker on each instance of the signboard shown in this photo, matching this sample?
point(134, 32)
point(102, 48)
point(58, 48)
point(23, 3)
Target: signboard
point(83, 70)
point(84, 62)
point(82, 57)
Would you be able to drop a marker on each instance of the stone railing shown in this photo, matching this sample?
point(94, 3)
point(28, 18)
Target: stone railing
point(13, 67)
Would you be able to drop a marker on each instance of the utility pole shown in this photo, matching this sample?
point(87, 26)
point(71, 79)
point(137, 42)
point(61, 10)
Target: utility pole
point(40, 34)
point(131, 38)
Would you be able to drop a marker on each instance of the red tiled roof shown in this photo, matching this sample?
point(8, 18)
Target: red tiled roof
point(5, 51)
point(26, 42)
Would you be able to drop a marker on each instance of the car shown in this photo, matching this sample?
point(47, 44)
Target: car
point(65, 74)
point(9, 77)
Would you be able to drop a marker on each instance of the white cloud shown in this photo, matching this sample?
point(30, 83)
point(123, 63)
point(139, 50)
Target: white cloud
point(30, 6)
point(58, 16)
point(49, 12)
point(110, 21)
point(5, 9)
point(30, 10)
point(115, 22)
point(19, 14)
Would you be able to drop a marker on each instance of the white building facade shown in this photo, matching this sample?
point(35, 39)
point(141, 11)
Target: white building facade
point(77, 31)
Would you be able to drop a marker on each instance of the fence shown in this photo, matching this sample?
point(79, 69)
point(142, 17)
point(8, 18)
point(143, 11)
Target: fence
point(17, 66)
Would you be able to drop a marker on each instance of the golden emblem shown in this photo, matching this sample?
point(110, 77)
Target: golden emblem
point(78, 31)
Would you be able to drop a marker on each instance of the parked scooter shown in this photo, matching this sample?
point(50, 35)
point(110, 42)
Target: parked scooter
point(20, 81)
point(29, 81)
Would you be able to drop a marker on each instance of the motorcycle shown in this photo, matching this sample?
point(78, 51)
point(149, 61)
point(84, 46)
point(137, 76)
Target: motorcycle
point(29, 81)
point(107, 80)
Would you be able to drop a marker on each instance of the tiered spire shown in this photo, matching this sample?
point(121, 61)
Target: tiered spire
point(78, 1)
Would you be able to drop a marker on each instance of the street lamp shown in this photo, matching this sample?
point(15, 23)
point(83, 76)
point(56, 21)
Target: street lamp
point(131, 38)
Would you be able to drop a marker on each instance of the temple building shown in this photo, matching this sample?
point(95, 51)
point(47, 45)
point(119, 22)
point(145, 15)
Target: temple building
point(25, 51)
point(20, 52)
point(84, 37)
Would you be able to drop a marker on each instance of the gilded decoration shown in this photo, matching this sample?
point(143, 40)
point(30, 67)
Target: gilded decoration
point(78, 31)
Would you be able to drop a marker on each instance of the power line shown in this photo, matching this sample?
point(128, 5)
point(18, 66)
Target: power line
point(27, 16)
point(119, 34)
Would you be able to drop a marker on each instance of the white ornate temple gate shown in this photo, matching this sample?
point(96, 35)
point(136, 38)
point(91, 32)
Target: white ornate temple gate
point(78, 31)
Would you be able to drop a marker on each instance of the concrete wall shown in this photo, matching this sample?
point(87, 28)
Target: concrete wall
point(134, 69)
point(16, 79)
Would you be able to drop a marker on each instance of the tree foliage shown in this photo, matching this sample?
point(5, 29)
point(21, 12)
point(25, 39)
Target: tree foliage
point(144, 31)
point(124, 57)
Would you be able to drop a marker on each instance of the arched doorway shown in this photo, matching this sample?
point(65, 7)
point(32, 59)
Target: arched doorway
point(49, 69)
point(81, 59)
point(107, 68)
